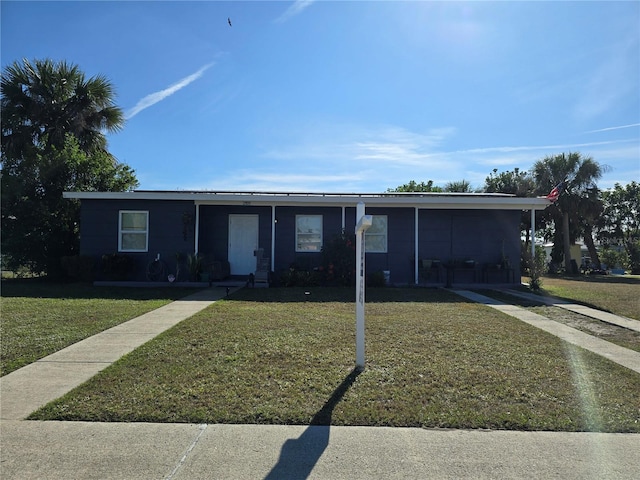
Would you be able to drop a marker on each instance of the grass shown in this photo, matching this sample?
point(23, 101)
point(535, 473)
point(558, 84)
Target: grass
point(40, 318)
point(612, 333)
point(278, 356)
point(615, 294)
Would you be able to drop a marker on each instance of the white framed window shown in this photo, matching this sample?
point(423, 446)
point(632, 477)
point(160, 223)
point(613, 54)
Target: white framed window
point(375, 237)
point(133, 231)
point(308, 233)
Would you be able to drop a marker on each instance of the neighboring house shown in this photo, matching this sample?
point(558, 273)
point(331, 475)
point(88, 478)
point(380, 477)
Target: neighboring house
point(439, 228)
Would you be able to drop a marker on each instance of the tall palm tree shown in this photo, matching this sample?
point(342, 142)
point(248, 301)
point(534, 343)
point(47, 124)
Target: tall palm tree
point(43, 101)
point(54, 122)
point(579, 175)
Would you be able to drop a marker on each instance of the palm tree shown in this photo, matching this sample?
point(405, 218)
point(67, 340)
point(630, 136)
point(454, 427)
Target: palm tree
point(43, 101)
point(54, 122)
point(579, 175)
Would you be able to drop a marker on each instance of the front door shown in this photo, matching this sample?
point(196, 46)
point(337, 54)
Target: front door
point(243, 240)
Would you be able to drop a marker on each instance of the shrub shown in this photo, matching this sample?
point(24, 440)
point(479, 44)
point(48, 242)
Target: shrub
point(117, 266)
point(536, 269)
point(613, 258)
point(78, 267)
point(376, 279)
point(339, 259)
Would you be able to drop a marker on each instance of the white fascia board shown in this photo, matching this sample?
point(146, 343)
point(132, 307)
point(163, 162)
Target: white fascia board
point(421, 201)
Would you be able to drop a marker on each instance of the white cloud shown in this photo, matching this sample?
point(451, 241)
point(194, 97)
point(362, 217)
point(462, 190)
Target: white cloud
point(293, 10)
point(156, 97)
point(608, 129)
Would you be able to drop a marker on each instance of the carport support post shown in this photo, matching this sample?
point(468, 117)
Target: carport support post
point(363, 223)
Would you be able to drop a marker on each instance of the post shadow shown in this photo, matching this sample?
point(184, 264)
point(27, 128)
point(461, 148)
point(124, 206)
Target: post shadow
point(299, 456)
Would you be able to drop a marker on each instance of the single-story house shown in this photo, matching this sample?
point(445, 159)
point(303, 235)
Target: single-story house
point(415, 237)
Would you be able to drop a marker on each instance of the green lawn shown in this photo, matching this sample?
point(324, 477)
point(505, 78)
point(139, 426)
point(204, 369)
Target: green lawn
point(612, 293)
point(433, 360)
point(40, 318)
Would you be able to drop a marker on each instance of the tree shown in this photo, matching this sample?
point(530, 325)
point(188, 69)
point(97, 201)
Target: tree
point(520, 184)
point(578, 176)
point(412, 186)
point(43, 101)
point(53, 140)
point(621, 221)
point(460, 186)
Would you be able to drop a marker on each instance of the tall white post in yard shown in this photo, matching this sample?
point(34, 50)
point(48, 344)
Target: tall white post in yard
point(363, 222)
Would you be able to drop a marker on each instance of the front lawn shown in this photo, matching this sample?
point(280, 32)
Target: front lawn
point(611, 293)
point(281, 356)
point(40, 318)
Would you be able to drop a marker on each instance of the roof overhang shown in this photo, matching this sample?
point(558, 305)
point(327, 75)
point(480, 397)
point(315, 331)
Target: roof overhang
point(465, 201)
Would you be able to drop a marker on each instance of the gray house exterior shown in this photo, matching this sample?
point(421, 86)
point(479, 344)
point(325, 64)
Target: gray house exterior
point(417, 238)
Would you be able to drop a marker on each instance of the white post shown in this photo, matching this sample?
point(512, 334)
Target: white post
point(197, 232)
point(533, 235)
point(363, 223)
point(416, 260)
point(273, 237)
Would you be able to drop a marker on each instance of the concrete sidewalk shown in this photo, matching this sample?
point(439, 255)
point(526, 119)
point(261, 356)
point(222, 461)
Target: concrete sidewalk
point(79, 450)
point(83, 450)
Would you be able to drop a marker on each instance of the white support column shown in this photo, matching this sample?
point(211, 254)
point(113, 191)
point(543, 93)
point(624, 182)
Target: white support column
point(273, 237)
point(344, 216)
point(196, 247)
point(363, 223)
point(533, 234)
point(415, 254)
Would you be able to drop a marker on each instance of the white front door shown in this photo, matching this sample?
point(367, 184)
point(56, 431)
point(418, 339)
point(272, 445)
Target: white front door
point(243, 240)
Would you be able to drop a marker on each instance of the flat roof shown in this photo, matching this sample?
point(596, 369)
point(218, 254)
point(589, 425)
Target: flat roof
point(431, 200)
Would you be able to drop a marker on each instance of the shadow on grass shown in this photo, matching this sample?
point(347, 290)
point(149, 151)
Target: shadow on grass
point(344, 295)
point(604, 279)
point(39, 288)
point(299, 456)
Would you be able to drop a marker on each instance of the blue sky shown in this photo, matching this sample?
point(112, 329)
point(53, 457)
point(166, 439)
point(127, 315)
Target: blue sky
point(349, 96)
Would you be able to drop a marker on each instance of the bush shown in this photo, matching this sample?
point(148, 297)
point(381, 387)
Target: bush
point(613, 258)
point(78, 267)
point(117, 266)
point(537, 268)
point(339, 259)
point(376, 279)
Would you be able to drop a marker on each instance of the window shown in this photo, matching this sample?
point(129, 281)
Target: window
point(133, 230)
point(375, 238)
point(308, 233)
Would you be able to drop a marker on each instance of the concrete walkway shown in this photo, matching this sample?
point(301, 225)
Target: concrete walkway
point(82, 450)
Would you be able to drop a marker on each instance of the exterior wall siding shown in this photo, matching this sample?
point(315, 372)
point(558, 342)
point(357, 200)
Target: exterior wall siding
point(485, 236)
point(214, 229)
point(99, 231)
point(286, 254)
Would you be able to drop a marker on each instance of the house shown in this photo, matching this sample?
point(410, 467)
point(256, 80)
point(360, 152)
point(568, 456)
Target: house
point(415, 237)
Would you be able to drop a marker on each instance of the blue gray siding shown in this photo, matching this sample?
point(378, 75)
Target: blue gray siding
point(99, 231)
point(484, 236)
